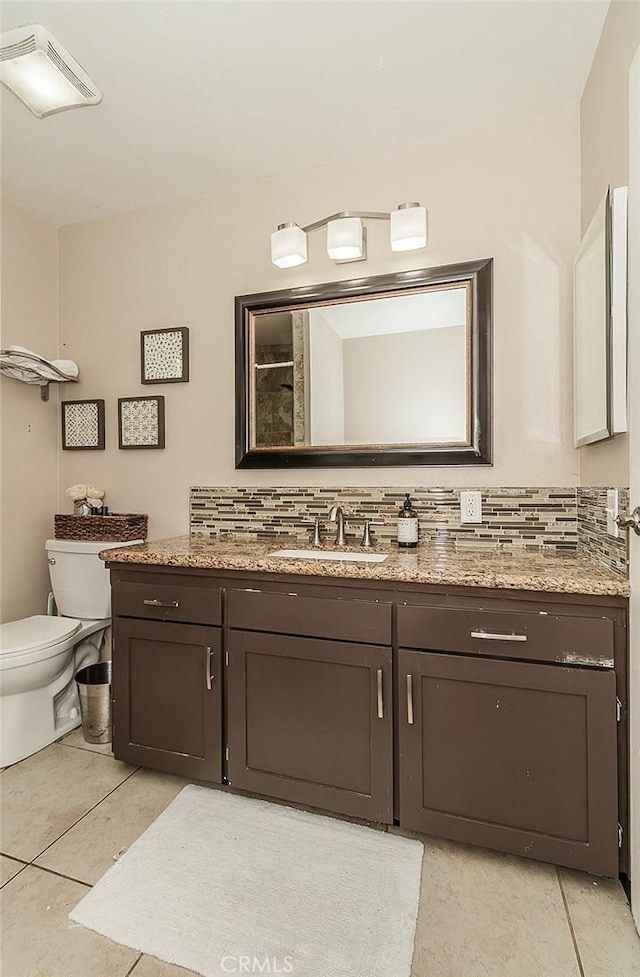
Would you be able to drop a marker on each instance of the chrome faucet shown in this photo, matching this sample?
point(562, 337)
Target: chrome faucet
point(337, 515)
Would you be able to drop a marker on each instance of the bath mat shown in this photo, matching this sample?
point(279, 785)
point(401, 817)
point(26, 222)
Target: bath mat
point(223, 884)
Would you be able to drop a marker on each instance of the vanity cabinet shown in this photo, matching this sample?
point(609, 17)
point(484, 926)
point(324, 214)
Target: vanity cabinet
point(489, 717)
point(167, 675)
point(310, 718)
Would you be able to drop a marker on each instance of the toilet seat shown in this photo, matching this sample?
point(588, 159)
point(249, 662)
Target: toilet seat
point(34, 638)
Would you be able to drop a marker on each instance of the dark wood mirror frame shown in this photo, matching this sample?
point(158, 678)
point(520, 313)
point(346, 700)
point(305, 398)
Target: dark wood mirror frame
point(479, 452)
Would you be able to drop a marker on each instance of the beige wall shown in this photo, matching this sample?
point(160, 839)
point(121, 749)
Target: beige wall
point(511, 193)
point(29, 473)
point(604, 160)
point(408, 386)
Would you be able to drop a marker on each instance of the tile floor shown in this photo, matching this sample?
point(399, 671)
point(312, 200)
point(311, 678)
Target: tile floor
point(67, 810)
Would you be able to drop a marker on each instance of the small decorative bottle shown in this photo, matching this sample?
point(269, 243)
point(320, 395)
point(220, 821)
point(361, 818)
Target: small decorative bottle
point(407, 525)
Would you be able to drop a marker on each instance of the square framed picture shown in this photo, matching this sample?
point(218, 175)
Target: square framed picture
point(82, 425)
point(164, 355)
point(141, 422)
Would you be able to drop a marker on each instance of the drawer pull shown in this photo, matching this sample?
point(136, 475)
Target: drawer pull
point(380, 696)
point(410, 699)
point(161, 603)
point(207, 665)
point(496, 636)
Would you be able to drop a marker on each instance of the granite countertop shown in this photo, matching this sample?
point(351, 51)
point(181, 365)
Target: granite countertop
point(429, 563)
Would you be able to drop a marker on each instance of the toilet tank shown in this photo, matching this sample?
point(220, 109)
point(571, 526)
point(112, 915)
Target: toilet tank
point(79, 579)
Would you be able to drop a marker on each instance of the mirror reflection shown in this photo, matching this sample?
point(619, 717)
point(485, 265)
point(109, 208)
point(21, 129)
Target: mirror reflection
point(377, 371)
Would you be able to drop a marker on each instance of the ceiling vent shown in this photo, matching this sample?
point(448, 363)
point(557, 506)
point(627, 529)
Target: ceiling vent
point(42, 73)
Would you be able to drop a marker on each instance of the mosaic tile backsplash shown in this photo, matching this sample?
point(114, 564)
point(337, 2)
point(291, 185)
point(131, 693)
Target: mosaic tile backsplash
point(558, 518)
point(592, 523)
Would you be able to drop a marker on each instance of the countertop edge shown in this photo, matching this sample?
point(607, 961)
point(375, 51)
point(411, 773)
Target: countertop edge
point(585, 578)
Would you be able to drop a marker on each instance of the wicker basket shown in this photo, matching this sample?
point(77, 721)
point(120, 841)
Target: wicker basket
point(120, 527)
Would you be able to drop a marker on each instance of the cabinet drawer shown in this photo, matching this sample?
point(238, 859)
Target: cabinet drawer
point(325, 617)
point(540, 636)
point(168, 599)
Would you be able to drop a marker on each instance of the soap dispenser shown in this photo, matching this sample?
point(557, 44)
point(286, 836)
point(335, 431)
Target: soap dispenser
point(407, 525)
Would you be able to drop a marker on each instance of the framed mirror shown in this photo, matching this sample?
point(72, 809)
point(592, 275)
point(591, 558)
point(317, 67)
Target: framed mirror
point(389, 370)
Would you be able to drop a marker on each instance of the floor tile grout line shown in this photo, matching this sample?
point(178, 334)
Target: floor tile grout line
point(135, 964)
point(15, 875)
point(81, 818)
point(14, 858)
point(569, 921)
point(87, 749)
point(59, 742)
point(60, 875)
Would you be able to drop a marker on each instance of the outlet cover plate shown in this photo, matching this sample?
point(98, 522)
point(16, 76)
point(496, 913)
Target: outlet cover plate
point(471, 507)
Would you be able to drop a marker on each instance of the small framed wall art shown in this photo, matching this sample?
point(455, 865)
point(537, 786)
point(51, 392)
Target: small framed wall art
point(82, 425)
point(164, 355)
point(141, 422)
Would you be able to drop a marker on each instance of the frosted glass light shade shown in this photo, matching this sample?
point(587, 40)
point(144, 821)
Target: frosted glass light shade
point(36, 68)
point(288, 246)
point(344, 239)
point(408, 228)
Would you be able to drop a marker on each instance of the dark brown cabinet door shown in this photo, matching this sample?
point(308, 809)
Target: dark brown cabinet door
point(167, 700)
point(310, 721)
point(512, 756)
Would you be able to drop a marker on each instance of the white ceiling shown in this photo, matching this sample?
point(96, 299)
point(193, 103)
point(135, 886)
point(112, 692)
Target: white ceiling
point(438, 309)
point(206, 94)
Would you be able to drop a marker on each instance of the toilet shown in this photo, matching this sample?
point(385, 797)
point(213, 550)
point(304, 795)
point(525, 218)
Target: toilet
point(40, 655)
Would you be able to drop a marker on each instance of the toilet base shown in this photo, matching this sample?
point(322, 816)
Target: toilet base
point(31, 720)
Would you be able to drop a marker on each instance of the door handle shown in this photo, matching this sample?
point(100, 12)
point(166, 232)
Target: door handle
point(207, 664)
point(630, 522)
point(380, 696)
point(410, 699)
point(161, 603)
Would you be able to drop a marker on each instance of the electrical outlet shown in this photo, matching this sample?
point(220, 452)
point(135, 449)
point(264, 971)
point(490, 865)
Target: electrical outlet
point(471, 507)
point(612, 511)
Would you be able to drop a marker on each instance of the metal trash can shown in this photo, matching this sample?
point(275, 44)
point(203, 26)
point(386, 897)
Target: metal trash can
point(94, 692)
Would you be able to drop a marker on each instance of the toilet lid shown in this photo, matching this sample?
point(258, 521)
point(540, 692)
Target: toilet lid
point(33, 633)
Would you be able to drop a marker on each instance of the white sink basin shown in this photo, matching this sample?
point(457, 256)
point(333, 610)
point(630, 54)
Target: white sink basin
point(340, 556)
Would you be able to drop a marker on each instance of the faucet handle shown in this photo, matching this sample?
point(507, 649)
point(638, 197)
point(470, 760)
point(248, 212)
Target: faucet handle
point(317, 539)
point(366, 536)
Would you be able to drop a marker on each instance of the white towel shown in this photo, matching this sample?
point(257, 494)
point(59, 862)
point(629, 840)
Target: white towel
point(23, 364)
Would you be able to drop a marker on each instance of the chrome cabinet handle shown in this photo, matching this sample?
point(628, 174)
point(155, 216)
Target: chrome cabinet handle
point(630, 522)
point(496, 636)
point(410, 699)
point(207, 664)
point(161, 603)
point(380, 696)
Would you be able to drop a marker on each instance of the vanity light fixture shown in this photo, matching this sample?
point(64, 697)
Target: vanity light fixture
point(347, 236)
point(408, 228)
point(345, 239)
point(288, 246)
point(38, 69)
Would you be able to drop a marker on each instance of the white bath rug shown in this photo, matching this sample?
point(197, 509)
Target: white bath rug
point(223, 884)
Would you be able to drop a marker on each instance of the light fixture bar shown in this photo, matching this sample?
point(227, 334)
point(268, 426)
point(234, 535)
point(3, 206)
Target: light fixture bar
point(366, 214)
point(408, 233)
